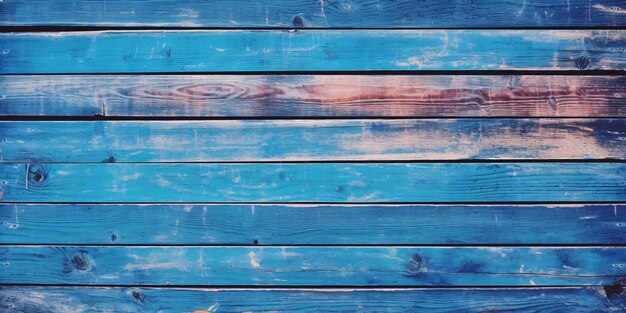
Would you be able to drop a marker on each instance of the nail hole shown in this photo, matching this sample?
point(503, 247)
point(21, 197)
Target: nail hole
point(582, 63)
point(138, 295)
point(297, 22)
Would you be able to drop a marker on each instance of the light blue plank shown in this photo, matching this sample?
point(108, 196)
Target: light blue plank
point(89, 299)
point(326, 13)
point(310, 50)
point(313, 266)
point(311, 182)
point(312, 140)
point(312, 224)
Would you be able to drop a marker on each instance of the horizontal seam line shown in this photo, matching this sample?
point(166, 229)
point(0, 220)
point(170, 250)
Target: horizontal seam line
point(288, 287)
point(355, 162)
point(78, 27)
point(356, 118)
point(339, 161)
point(530, 245)
point(568, 72)
point(325, 202)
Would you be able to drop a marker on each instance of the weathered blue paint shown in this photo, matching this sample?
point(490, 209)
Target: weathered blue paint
point(48, 168)
point(312, 140)
point(310, 182)
point(310, 50)
point(478, 300)
point(312, 224)
point(314, 95)
point(318, 14)
point(313, 266)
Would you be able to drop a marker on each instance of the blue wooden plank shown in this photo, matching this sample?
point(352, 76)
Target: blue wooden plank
point(310, 50)
point(313, 266)
point(23, 95)
point(311, 182)
point(313, 95)
point(197, 300)
point(312, 224)
point(312, 140)
point(318, 14)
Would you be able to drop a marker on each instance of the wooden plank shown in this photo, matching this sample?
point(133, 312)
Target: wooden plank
point(45, 95)
point(313, 182)
point(316, 14)
point(310, 50)
point(316, 224)
point(313, 95)
point(313, 266)
point(312, 140)
point(200, 300)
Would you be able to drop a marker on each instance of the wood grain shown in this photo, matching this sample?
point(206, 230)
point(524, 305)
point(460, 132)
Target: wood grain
point(314, 182)
point(313, 266)
point(310, 50)
point(312, 224)
point(198, 300)
point(312, 140)
point(317, 14)
point(313, 95)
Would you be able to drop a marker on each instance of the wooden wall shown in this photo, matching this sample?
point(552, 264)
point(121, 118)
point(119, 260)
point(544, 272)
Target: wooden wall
point(312, 155)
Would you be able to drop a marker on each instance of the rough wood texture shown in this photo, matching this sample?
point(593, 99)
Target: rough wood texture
point(313, 266)
point(312, 224)
point(90, 299)
point(310, 50)
point(483, 179)
point(313, 95)
point(312, 140)
point(310, 182)
point(317, 14)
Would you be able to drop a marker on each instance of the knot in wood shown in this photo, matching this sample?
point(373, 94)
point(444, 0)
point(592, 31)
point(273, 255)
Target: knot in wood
point(37, 174)
point(80, 261)
point(415, 264)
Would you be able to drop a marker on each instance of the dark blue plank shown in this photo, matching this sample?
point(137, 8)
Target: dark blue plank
point(313, 266)
point(310, 50)
point(313, 182)
point(312, 224)
point(325, 13)
point(87, 299)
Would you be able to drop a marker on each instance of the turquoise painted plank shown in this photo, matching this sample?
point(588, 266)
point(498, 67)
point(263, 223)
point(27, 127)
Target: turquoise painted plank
point(312, 140)
point(312, 182)
point(312, 224)
point(313, 266)
point(310, 50)
point(317, 14)
point(200, 300)
point(313, 95)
